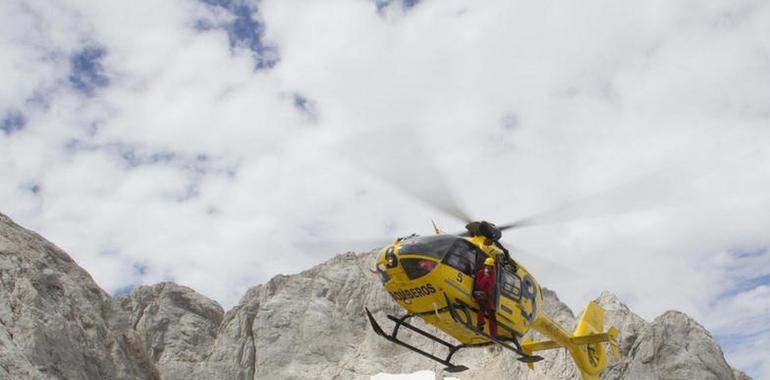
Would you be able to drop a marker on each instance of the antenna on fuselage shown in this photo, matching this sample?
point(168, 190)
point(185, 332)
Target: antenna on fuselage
point(436, 228)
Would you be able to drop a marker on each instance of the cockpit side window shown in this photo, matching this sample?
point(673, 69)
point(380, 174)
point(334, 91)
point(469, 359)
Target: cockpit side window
point(462, 256)
point(416, 268)
point(433, 246)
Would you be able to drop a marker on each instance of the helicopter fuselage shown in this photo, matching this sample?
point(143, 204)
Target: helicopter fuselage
point(422, 272)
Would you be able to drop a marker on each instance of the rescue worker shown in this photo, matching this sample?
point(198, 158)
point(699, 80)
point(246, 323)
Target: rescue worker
point(485, 283)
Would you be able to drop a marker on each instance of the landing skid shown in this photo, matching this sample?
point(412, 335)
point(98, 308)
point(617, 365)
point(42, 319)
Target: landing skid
point(467, 323)
point(402, 322)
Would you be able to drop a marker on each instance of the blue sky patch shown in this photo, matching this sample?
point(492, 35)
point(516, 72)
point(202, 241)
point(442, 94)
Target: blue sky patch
point(751, 283)
point(40, 98)
point(123, 291)
point(129, 155)
point(86, 70)
point(746, 283)
point(405, 4)
point(509, 122)
point(196, 166)
point(30, 187)
point(191, 191)
point(12, 121)
point(140, 269)
point(305, 106)
point(731, 342)
point(244, 31)
point(33, 187)
point(744, 253)
point(133, 158)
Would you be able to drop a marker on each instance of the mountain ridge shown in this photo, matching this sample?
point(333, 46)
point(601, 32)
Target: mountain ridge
point(55, 322)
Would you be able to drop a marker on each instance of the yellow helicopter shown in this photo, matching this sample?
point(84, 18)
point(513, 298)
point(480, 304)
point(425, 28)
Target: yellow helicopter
point(433, 277)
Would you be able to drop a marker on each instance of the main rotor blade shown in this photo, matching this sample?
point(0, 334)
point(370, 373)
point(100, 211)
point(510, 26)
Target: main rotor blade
point(649, 191)
point(537, 262)
point(340, 246)
point(398, 156)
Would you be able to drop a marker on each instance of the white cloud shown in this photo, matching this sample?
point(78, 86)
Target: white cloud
point(193, 166)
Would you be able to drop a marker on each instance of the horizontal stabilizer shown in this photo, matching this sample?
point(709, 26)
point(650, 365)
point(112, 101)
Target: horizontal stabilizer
point(585, 344)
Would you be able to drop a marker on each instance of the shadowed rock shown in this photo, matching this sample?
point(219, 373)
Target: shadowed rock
point(176, 325)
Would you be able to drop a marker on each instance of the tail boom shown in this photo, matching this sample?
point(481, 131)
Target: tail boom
point(585, 345)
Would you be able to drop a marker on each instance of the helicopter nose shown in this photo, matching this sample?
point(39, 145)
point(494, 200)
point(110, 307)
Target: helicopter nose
point(391, 260)
point(388, 257)
point(386, 260)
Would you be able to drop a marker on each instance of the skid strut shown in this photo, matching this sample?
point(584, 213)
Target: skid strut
point(467, 322)
point(403, 322)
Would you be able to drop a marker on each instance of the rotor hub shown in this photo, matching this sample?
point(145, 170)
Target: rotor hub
point(485, 229)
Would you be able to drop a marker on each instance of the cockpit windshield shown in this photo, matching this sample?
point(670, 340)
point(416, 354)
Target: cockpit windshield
point(433, 246)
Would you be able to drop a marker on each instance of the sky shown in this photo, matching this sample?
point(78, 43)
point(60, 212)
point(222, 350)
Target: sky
point(209, 142)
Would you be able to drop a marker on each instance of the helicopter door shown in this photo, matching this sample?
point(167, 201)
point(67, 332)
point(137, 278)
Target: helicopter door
point(508, 291)
point(462, 256)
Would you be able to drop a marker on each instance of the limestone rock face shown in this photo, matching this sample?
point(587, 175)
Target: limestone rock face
point(674, 346)
point(176, 325)
point(617, 314)
point(55, 322)
point(310, 323)
point(313, 322)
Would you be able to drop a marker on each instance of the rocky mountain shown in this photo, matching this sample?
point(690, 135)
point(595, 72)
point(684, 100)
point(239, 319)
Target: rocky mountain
point(56, 323)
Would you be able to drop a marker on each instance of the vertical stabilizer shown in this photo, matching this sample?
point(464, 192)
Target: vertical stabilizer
point(590, 358)
point(592, 320)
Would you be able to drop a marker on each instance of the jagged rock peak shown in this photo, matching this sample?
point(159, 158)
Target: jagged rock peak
point(610, 301)
point(617, 314)
point(55, 322)
point(673, 346)
point(177, 325)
